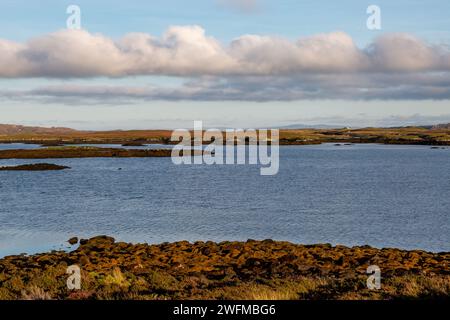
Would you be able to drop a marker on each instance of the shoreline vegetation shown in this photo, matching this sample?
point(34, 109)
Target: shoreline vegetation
point(437, 136)
point(227, 270)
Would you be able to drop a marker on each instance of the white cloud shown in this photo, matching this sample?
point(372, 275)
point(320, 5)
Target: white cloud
point(404, 52)
point(321, 53)
point(77, 53)
point(251, 67)
point(188, 51)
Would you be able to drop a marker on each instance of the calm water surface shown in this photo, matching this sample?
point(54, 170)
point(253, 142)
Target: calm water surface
point(384, 196)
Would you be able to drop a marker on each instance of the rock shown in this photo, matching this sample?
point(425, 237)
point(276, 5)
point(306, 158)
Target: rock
point(133, 144)
point(72, 241)
point(97, 243)
point(52, 144)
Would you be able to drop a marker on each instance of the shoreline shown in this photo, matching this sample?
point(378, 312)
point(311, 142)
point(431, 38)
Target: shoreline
point(74, 151)
point(226, 270)
point(282, 142)
point(403, 135)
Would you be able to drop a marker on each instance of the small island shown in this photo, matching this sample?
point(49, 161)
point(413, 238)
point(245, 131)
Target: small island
point(34, 167)
point(81, 152)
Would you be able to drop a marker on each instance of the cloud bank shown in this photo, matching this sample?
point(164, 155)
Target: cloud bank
point(251, 67)
point(187, 51)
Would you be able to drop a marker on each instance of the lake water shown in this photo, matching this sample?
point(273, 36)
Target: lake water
point(380, 195)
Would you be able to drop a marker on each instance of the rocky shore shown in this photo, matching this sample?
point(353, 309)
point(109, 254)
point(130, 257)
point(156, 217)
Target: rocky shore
point(227, 270)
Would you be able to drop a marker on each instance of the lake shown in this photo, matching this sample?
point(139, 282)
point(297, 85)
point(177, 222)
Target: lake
point(380, 195)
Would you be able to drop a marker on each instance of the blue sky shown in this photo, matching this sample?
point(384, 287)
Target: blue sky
point(226, 21)
point(21, 20)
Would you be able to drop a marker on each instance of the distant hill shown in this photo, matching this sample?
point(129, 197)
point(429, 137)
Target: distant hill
point(12, 129)
point(441, 126)
point(314, 126)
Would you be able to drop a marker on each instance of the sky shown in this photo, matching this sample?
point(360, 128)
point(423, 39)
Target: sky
point(229, 63)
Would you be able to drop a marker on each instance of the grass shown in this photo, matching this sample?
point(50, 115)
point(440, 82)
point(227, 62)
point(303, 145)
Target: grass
point(159, 285)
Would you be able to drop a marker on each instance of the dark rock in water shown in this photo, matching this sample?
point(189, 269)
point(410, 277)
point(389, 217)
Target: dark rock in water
point(73, 240)
point(337, 144)
point(434, 147)
point(34, 167)
point(52, 144)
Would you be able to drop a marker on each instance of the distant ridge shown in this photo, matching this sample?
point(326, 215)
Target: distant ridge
point(441, 126)
point(314, 126)
point(11, 129)
point(14, 129)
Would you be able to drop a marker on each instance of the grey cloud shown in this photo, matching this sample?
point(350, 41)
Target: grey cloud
point(378, 86)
